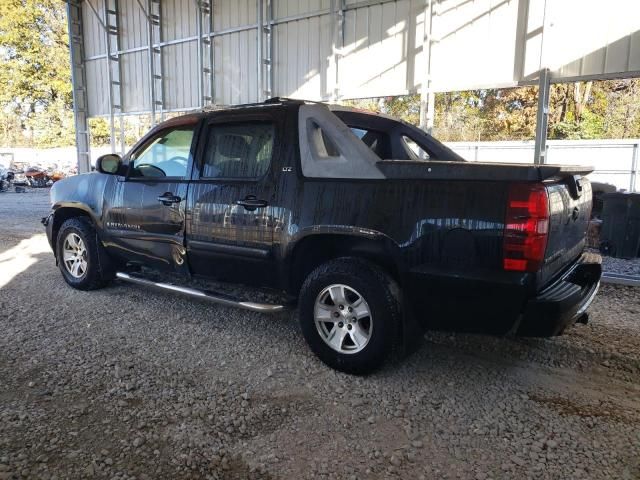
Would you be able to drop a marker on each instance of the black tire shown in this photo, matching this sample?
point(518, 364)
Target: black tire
point(99, 271)
point(380, 293)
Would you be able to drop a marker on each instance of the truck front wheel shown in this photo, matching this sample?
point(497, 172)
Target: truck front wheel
point(81, 258)
point(349, 312)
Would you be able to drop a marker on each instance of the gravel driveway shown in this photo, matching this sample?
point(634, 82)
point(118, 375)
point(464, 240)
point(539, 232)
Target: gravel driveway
point(130, 383)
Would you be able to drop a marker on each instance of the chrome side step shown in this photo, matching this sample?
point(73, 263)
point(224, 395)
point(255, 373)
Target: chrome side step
point(621, 279)
point(214, 297)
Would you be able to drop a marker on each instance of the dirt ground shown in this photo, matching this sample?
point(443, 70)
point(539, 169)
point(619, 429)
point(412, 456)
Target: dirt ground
point(129, 383)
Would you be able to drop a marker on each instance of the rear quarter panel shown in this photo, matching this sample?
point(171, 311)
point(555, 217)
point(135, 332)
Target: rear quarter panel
point(444, 223)
point(447, 238)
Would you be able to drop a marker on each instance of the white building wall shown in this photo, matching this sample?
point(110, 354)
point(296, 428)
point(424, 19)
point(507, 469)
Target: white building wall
point(326, 49)
point(612, 159)
point(615, 161)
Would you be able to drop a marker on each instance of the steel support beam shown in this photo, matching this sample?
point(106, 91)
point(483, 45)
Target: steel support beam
point(427, 95)
point(200, 53)
point(79, 85)
point(634, 168)
point(157, 87)
point(542, 117)
point(259, 49)
point(212, 51)
point(107, 29)
point(337, 8)
point(152, 91)
point(269, 59)
point(114, 73)
point(206, 42)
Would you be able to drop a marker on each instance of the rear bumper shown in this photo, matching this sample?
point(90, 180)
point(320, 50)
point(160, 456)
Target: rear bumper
point(563, 302)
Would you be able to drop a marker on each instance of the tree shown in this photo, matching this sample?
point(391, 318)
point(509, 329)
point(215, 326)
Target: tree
point(583, 110)
point(35, 73)
point(36, 95)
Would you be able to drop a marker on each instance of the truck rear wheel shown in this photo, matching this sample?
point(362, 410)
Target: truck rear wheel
point(81, 258)
point(349, 313)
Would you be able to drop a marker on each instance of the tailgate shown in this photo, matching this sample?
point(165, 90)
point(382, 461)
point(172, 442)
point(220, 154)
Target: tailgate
point(569, 212)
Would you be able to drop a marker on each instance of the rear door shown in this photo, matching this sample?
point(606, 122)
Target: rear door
point(232, 218)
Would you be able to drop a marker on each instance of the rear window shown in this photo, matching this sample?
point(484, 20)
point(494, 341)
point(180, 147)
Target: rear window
point(414, 151)
point(391, 139)
point(378, 142)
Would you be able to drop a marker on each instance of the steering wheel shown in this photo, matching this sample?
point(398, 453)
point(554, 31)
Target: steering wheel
point(177, 160)
point(174, 163)
point(152, 169)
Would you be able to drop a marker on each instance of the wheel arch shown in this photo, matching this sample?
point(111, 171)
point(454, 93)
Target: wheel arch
point(61, 215)
point(315, 249)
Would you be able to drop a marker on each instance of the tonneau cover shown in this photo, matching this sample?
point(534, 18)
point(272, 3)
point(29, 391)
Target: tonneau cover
point(516, 172)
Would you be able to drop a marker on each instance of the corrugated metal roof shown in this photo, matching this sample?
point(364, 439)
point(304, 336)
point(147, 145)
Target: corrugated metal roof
point(477, 43)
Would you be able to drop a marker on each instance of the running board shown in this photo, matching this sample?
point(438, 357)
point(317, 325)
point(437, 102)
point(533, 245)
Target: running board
point(621, 279)
point(214, 297)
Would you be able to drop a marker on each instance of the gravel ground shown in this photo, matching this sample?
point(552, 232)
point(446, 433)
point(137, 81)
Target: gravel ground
point(629, 266)
point(129, 383)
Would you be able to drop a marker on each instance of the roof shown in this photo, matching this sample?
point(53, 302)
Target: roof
point(372, 119)
point(195, 117)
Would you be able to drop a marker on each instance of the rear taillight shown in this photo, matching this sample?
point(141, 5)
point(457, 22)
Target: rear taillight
point(526, 227)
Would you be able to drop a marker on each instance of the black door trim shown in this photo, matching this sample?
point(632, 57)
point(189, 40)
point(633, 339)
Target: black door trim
point(209, 248)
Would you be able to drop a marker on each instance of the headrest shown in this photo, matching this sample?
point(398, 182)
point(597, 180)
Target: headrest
point(233, 146)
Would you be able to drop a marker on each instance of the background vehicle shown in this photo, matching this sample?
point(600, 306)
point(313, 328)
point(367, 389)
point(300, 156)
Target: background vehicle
point(18, 169)
point(6, 179)
point(375, 228)
point(37, 177)
point(56, 174)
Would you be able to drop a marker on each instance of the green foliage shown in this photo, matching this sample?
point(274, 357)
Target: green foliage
point(135, 126)
point(100, 132)
point(36, 95)
point(406, 107)
point(35, 75)
point(586, 110)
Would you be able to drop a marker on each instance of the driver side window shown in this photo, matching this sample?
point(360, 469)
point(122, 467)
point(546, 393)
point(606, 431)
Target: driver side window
point(165, 155)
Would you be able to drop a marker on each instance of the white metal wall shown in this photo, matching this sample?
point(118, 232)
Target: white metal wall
point(328, 49)
point(378, 49)
point(95, 61)
point(488, 43)
point(382, 52)
point(302, 49)
point(615, 161)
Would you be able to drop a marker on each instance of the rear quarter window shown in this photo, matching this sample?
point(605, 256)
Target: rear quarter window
point(414, 151)
point(378, 142)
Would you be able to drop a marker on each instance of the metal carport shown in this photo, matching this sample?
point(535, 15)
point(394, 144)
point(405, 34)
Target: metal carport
point(155, 57)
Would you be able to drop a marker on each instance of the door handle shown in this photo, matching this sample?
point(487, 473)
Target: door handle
point(250, 202)
point(169, 198)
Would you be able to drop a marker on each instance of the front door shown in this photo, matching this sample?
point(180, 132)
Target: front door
point(232, 217)
point(145, 219)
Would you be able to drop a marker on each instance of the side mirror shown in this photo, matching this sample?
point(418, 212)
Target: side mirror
point(111, 164)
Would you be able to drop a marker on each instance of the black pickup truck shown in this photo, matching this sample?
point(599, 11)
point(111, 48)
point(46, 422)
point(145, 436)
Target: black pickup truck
point(373, 227)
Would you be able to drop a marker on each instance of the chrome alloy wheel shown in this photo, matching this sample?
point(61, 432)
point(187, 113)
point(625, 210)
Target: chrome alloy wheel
point(343, 318)
point(74, 255)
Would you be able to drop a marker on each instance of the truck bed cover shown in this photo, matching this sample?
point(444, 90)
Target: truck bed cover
point(480, 171)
